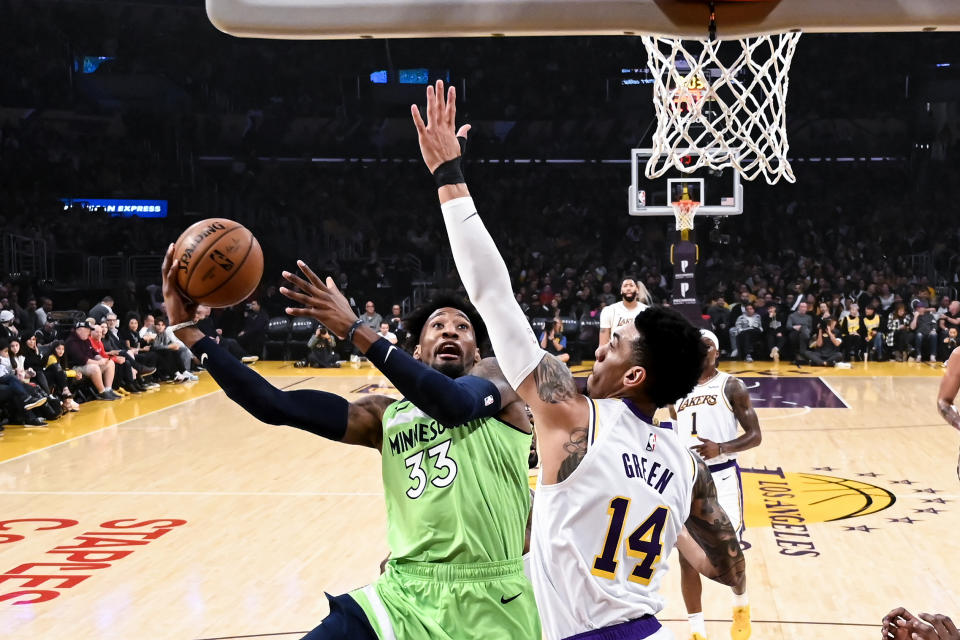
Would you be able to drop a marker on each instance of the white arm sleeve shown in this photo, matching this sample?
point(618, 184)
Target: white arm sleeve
point(485, 276)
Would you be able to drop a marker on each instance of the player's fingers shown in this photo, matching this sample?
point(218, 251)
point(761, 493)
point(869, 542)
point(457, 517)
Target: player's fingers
point(299, 282)
point(441, 101)
point(952, 628)
point(935, 621)
point(450, 112)
point(463, 131)
point(311, 276)
point(431, 105)
point(299, 297)
point(297, 311)
point(167, 259)
point(417, 119)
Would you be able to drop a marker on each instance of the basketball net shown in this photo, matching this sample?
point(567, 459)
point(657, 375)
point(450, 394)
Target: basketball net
point(684, 210)
point(726, 100)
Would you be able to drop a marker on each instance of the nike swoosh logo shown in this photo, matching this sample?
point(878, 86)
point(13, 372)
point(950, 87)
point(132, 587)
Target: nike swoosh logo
point(387, 357)
point(506, 600)
point(470, 216)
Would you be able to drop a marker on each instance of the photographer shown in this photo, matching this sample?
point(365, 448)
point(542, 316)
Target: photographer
point(321, 352)
point(825, 350)
point(554, 342)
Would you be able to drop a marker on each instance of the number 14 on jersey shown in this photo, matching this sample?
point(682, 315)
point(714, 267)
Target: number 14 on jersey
point(645, 543)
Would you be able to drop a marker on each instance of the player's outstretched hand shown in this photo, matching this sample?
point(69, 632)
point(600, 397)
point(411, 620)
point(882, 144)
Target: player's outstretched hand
point(320, 300)
point(438, 137)
point(179, 308)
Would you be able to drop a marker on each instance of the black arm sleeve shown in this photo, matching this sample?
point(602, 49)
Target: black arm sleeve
point(321, 413)
point(448, 401)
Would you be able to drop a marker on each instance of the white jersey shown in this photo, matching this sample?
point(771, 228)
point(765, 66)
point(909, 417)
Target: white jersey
point(601, 537)
point(707, 413)
point(617, 315)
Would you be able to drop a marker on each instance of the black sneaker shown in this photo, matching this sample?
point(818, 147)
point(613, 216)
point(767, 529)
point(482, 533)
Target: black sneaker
point(107, 394)
point(149, 371)
point(31, 420)
point(34, 402)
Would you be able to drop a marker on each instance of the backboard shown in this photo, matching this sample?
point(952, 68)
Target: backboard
point(324, 19)
point(718, 192)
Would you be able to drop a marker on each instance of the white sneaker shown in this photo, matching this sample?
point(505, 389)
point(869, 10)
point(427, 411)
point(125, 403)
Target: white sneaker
point(190, 376)
point(249, 359)
point(775, 354)
point(180, 377)
point(933, 358)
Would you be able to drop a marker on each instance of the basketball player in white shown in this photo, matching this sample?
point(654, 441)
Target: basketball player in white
point(634, 301)
point(707, 422)
point(615, 491)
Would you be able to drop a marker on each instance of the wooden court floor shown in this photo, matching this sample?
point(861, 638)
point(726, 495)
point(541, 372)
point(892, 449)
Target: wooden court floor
point(177, 516)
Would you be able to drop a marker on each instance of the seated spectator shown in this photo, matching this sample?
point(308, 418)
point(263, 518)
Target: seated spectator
point(384, 332)
point(7, 328)
point(27, 320)
point(850, 332)
point(59, 374)
point(46, 306)
point(950, 319)
point(773, 331)
point(800, 330)
point(81, 355)
point(925, 332)
point(825, 350)
point(898, 334)
point(370, 316)
point(396, 323)
point(321, 352)
point(173, 357)
point(949, 343)
point(33, 361)
point(17, 399)
point(115, 346)
point(123, 383)
point(100, 310)
point(47, 332)
point(873, 331)
point(749, 332)
point(553, 341)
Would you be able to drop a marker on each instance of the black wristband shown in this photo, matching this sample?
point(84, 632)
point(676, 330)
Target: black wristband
point(449, 173)
point(353, 329)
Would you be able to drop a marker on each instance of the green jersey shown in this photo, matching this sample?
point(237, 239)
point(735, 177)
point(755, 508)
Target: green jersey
point(454, 494)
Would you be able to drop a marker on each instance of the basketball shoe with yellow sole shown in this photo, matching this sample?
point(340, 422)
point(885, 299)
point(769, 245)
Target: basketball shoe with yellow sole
point(740, 629)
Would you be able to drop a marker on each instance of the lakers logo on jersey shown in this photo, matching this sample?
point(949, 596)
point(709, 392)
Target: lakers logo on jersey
point(693, 401)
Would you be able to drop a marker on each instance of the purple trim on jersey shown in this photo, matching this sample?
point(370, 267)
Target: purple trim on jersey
point(631, 630)
point(637, 412)
point(743, 522)
point(724, 466)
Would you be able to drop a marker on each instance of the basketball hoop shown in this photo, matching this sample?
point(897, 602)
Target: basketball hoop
point(685, 211)
point(724, 99)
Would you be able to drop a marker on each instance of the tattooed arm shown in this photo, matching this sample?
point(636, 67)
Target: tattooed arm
point(949, 387)
point(712, 546)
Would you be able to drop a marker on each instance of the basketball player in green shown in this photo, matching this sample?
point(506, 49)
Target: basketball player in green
point(454, 467)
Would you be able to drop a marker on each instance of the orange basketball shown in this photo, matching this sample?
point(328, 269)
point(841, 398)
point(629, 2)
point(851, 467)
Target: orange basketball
point(221, 263)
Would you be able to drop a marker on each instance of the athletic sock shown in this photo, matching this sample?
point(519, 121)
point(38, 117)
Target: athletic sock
point(696, 624)
point(741, 600)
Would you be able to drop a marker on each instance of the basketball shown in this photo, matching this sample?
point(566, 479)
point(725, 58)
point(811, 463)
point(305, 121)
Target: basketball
point(221, 263)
